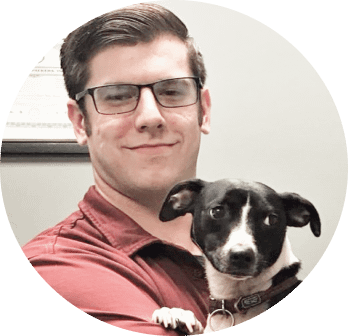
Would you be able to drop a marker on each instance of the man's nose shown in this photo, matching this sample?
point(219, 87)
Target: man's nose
point(148, 114)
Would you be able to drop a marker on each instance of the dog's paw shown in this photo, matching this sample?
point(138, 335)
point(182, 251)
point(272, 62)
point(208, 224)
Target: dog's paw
point(176, 318)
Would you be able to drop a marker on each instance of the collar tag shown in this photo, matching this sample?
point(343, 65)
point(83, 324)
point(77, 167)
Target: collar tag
point(246, 302)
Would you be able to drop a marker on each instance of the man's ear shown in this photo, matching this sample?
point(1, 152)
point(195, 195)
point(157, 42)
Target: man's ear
point(78, 121)
point(205, 110)
point(181, 199)
point(300, 212)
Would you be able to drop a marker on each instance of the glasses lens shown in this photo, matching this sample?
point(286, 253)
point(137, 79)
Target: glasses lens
point(123, 98)
point(115, 99)
point(176, 92)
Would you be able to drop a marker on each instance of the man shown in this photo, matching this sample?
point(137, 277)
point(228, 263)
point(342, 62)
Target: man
point(138, 101)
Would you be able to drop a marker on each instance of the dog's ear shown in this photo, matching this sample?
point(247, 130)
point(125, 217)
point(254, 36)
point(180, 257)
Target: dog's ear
point(300, 212)
point(181, 199)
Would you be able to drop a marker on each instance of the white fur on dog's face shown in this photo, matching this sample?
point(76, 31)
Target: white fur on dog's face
point(224, 286)
point(240, 239)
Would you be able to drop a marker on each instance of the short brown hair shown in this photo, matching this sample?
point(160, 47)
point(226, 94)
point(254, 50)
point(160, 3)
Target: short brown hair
point(126, 26)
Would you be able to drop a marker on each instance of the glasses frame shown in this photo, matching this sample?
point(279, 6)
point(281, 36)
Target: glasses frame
point(91, 90)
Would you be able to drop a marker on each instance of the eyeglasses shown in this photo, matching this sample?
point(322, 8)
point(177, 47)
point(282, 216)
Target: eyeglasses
point(124, 98)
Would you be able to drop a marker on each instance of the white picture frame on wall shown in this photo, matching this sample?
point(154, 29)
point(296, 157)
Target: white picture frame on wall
point(38, 122)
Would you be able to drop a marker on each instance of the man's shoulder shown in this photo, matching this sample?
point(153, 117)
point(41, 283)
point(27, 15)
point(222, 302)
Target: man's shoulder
point(73, 257)
point(71, 251)
point(63, 236)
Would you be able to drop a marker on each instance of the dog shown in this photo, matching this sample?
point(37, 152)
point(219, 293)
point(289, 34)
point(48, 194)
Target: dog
point(240, 226)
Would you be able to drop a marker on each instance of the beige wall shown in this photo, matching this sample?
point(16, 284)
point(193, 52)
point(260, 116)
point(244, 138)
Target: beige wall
point(38, 195)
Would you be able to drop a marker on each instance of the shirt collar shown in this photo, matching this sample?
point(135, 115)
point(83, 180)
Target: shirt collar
point(120, 230)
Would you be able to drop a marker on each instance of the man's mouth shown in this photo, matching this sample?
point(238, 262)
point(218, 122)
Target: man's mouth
point(153, 145)
point(155, 148)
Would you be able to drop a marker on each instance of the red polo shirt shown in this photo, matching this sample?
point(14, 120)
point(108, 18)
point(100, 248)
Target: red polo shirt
point(104, 263)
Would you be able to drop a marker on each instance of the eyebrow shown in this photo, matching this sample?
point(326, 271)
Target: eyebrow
point(143, 83)
point(116, 83)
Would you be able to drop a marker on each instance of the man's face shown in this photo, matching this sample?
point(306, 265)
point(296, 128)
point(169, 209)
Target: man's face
point(153, 147)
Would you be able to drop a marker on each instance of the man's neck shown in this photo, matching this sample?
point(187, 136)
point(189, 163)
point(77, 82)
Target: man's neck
point(177, 232)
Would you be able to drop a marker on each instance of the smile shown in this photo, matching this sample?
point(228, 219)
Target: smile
point(153, 148)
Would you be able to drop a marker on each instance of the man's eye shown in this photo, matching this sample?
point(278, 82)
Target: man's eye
point(171, 93)
point(217, 212)
point(117, 97)
point(117, 94)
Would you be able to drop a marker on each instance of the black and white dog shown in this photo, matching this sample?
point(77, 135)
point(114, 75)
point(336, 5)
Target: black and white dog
point(240, 227)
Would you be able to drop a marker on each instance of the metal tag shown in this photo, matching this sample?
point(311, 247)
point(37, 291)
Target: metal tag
point(250, 301)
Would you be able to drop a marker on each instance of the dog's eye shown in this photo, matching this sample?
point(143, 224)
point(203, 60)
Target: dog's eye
point(217, 212)
point(271, 219)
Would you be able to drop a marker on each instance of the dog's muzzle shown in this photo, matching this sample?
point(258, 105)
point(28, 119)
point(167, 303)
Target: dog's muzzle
point(237, 262)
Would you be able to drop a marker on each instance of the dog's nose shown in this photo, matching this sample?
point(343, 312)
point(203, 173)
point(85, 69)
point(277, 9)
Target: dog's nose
point(242, 259)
